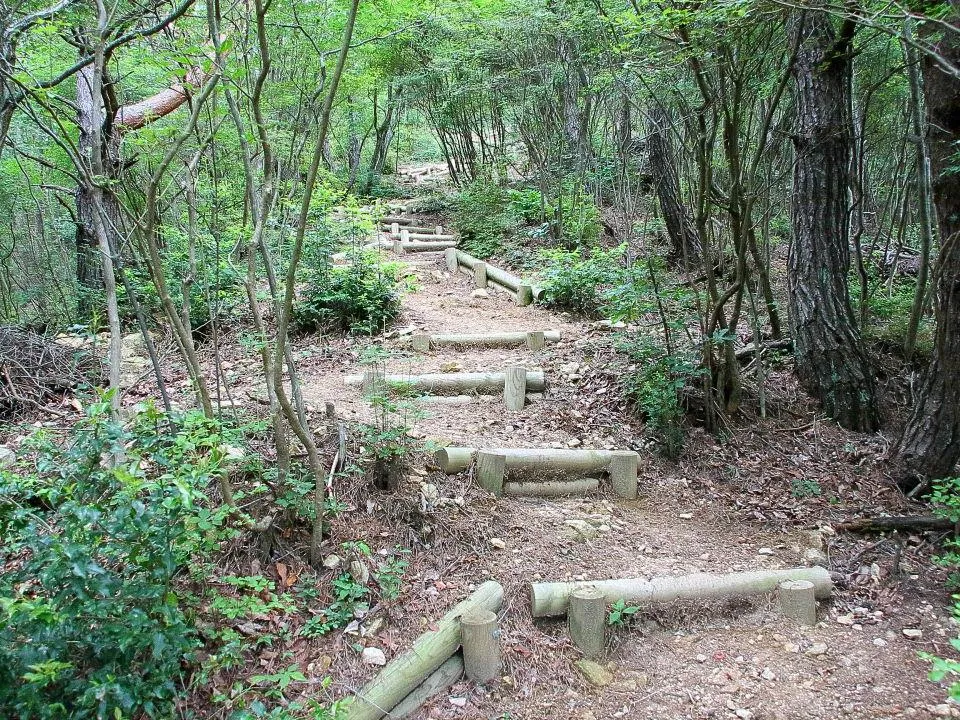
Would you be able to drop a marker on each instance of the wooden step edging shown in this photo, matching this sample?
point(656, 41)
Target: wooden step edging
point(551, 599)
point(524, 293)
point(533, 339)
point(407, 673)
point(544, 471)
point(456, 383)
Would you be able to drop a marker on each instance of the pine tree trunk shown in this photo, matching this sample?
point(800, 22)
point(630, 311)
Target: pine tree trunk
point(830, 358)
point(683, 235)
point(930, 445)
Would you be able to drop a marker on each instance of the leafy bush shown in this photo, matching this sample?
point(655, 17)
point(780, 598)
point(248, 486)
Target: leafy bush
point(89, 625)
point(361, 297)
point(483, 217)
point(945, 499)
point(579, 218)
point(654, 383)
point(576, 283)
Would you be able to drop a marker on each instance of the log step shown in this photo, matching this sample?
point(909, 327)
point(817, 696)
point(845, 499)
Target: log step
point(423, 343)
point(456, 383)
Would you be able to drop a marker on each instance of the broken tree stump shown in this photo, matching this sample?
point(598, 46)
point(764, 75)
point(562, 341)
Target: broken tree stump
point(430, 651)
point(587, 620)
point(480, 637)
point(515, 388)
point(551, 599)
point(798, 601)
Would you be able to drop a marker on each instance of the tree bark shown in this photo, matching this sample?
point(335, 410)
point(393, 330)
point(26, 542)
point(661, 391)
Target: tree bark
point(830, 358)
point(930, 444)
point(683, 235)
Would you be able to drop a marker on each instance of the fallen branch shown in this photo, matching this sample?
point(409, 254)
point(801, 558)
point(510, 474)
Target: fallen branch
point(904, 522)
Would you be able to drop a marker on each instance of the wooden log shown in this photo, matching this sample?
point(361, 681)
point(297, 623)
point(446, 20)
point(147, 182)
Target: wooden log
point(457, 383)
point(431, 650)
point(480, 274)
point(490, 471)
point(425, 245)
point(420, 343)
point(798, 601)
point(480, 637)
point(515, 388)
point(439, 230)
point(623, 469)
point(427, 236)
point(536, 339)
point(551, 599)
point(450, 254)
point(587, 620)
point(391, 219)
point(503, 339)
point(397, 246)
point(579, 462)
point(441, 679)
point(913, 523)
point(395, 228)
point(551, 488)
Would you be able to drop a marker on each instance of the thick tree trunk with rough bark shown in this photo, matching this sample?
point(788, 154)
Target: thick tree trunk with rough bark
point(930, 445)
point(831, 361)
point(663, 169)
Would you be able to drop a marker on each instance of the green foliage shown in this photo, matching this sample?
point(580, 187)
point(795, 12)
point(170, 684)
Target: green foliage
point(360, 297)
point(577, 283)
point(483, 217)
point(579, 218)
point(621, 613)
point(92, 538)
point(802, 488)
point(390, 577)
point(654, 382)
point(945, 500)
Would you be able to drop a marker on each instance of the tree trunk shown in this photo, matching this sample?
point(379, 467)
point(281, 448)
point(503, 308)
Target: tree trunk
point(930, 445)
point(683, 235)
point(829, 352)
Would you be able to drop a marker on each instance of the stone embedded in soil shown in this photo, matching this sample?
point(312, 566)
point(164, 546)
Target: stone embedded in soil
point(816, 650)
point(765, 551)
point(912, 633)
point(816, 557)
point(498, 544)
point(458, 701)
point(373, 656)
point(594, 673)
point(7, 457)
point(332, 562)
point(479, 293)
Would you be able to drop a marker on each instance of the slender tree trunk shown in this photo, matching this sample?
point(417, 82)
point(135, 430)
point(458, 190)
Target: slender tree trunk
point(683, 235)
point(930, 444)
point(830, 358)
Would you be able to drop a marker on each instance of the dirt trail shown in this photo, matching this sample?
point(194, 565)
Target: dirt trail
point(737, 661)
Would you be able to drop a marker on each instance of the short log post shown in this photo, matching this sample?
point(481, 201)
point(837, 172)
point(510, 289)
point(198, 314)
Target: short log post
point(587, 621)
point(524, 294)
point(798, 601)
point(480, 636)
point(331, 411)
point(439, 229)
point(404, 239)
point(373, 379)
point(480, 274)
point(490, 471)
point(395, 229)
point(420, 343)
point(536, 340)
point(450, 255)
point(515, 388)
point(623, 473)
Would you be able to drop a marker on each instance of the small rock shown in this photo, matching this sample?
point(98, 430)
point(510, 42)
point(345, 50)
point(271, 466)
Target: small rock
point(791, 647)
point(846, 620)
point(879, 642)
point(498, 544)
point(574, 443)
point(594, 673)
point(943, 710)
point(816, 557)
point(359, 572)
point(581, 528)
point(743, 714)
point(373, 656)
point(816, 650)
point(768, 674)
point(685, 516)
point(332, 562)
point(7, 457)
point(765, 551)
point(478, 293)
point(913, 633)
point(458, 701)
point(701, 658)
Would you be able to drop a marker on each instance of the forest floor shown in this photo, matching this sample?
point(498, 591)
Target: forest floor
point(768, 494)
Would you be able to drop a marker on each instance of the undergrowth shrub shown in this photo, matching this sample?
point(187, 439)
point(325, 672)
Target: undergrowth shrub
point(483, 217)
point(654, 383)
point(360, 297)
point(576, 282)
point(945, 500)
point(91, 537)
